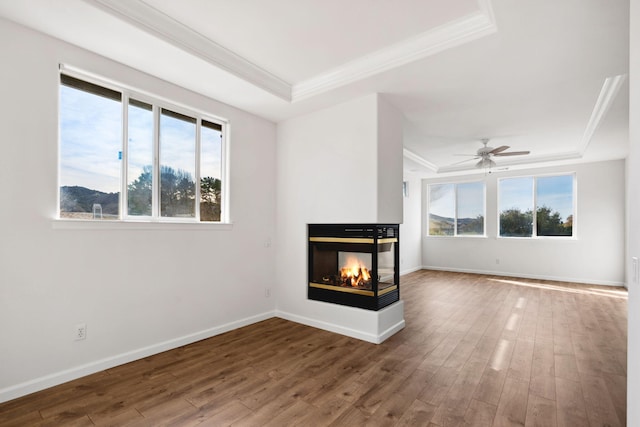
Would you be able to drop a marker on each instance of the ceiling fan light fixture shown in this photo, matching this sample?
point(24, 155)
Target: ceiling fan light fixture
point(485, 163)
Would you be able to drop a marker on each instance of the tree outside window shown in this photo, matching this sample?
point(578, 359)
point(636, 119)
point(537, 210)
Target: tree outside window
point(537, 206)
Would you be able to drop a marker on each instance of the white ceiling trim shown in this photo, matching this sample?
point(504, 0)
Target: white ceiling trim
point(607, 95)
point(419, 160)
point(151, 20)
point(571, 155)
point(155, 22)
point(450, 35)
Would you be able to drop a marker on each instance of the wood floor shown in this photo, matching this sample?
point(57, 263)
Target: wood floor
point(477, 350)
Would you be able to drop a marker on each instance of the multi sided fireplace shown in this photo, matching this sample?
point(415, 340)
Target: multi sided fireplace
point(354, 264)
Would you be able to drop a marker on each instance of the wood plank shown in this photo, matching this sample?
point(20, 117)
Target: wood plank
point(541, 412)
point(521, 360)
point(570, 404)
point(490, 387)
point(617, 388)
point(418, 414)
point(459, 396)
point(480, 414)
point(599, 405)
point(512, 408)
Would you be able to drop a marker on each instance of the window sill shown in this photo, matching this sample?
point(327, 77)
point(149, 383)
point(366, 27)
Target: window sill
point(540, 238)
point(457, 237)
point(78, 224)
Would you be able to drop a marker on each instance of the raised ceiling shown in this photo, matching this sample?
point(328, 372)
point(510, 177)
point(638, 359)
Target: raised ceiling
point(543, 76)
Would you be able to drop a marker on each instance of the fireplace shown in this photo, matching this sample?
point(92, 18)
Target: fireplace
point(354, 264)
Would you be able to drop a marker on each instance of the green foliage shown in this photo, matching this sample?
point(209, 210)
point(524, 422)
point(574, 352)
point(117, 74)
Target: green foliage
point(515, 223)
point(210, 190)
point(177, 196)
point(177, 193)
point(551, 224)
point(139, 193)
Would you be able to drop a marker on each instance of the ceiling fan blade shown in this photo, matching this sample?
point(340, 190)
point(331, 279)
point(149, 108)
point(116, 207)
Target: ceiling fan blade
point(466, 155)
point(512, 153)
point(499, 149)
point(464, 161)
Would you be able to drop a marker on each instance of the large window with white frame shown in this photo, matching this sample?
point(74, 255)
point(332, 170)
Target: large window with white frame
point(128, 156)
point(456, 209)
point(537, 206)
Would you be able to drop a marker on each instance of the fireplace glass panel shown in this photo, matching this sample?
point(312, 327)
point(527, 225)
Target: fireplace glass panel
point(386, 265)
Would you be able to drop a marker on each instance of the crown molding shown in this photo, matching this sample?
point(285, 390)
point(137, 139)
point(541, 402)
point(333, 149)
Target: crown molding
point(607, 95)
point(156, 23)
point(419, 160)
point(452, 34)
point(152, 21)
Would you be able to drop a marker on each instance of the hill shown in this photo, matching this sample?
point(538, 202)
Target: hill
point(81, 199)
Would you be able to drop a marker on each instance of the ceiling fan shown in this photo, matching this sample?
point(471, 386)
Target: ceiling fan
point(485, 154)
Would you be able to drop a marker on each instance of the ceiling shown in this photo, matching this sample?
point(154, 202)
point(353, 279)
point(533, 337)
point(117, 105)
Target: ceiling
point(543, 76)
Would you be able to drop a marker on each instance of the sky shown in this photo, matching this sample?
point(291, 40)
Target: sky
point(90, 142)
point(470, 200)
point(555, 192)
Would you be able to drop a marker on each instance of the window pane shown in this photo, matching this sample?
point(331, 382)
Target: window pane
point(470, 206)
point(441, 209)
point(554, 205)
point(90, 151)
point(516, 207)
point(210, 171)
point(140, 159)
point(177, 165)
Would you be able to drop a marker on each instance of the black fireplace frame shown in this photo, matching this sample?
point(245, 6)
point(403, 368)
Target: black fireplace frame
point(364, 238)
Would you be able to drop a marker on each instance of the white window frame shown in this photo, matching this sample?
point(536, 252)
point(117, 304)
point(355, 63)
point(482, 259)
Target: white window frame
point(155, 220)
point(455, 210)
point(534, 226)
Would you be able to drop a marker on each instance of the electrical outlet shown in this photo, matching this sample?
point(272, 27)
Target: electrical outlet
point(267, 292)
point(81, 331)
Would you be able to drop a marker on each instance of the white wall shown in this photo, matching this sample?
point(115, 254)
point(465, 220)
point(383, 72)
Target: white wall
point(139, 291)
point(633, 220)
point(596, 256)
point(329, 170)
point(389, 162)
point(411, 227)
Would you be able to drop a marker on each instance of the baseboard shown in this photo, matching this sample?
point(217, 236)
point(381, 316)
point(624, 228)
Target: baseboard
point(526, 276)
point(391, 331)
point(342, 330)
point(37, 384)
point(331, 327)
point(411, 270)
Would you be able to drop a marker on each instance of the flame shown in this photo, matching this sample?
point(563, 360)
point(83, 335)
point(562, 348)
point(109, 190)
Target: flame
point(355, 273)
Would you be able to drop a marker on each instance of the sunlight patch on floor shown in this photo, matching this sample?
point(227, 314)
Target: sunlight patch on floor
point(499, 360)
point(613, 293)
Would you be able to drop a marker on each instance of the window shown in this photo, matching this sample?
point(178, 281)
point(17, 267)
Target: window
point(124, 156)
point(456, 209)
point(536, 206)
